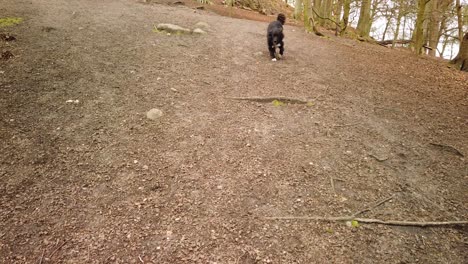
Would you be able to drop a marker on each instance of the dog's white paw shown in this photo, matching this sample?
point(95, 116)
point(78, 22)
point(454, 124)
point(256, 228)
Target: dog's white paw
point(274, 59)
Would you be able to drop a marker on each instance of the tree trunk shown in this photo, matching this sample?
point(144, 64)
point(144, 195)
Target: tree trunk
point(460, 20)
point(418, 34)
point(337, 12)
point(438, 9)
point(404, 27)
point(309, 21)
point(444, 45)
point(364, 23)
point(389, 19)
point(306, 15)
point(461, 60)
point(297, 9)
point(345, 21)
point(398, 22)
point(433, 27)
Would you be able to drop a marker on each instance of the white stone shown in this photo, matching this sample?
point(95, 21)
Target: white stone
point(198, 31)
point(171, 28)
point(154, 114)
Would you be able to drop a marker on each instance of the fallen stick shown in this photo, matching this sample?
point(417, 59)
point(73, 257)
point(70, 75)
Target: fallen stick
point(377, 158)
point(57, 249)
point(448, 149)
point(347, 125)
point(332, 185)
point(377, 204)
point(369, 221)
point(42, 256)
point(270, 99)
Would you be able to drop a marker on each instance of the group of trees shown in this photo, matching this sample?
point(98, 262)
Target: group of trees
point(427, 26)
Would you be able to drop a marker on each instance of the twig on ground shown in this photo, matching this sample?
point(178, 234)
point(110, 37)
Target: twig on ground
point(448, 149)
point(370, 221)
point(271, 99)
point(57, 249)
point(332, 185)
point(347, 125)
point(377, 158)
point(141, 260)
point(322, 94)
point(42, 256)
point(375, 205)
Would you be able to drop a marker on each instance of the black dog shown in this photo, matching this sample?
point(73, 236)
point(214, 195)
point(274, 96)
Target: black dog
point(275, 36)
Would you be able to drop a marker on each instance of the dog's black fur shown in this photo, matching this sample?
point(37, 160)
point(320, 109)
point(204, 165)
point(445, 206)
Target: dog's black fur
point(275, 35)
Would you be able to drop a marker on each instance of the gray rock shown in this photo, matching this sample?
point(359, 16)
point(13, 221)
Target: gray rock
point(171, 28)
point(154, 114)
point(198, 31)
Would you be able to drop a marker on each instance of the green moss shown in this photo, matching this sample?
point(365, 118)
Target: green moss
point(10, 21)
point(277, 103)
point(354, 223)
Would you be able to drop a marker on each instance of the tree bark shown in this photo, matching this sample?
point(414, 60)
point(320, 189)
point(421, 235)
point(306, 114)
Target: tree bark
point(298, 9)
point(438, 9)
point(364, 23)
point(389, 19)
point(460, 20)
point(345, 21)
point(398, 22)
point(418, 35)
point(337, 12)
point(461, 60)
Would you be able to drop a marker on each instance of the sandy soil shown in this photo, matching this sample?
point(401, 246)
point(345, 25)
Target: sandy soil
point(97, 182)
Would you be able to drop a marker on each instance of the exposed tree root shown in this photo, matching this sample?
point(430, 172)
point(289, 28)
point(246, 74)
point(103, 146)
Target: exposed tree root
point(271, 99)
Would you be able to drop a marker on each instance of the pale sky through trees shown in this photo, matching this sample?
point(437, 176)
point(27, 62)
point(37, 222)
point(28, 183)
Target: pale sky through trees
point(378, 27)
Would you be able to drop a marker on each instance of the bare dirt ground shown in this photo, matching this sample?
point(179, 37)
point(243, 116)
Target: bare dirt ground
point(98, 182)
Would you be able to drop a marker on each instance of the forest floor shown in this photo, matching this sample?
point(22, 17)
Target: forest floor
point(96, 181)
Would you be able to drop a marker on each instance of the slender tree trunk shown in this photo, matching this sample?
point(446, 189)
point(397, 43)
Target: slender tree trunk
point(397, 30)
point(306, 15)
point(418, 34)
point(345, 21)
point(327, 7)
point(444, 45)
point(297, 9)
point(389, 19)
point(460, 20)
point(337, 12)
point(433, 26)
point(404, 28)
point(364, 23)
point(437, 23)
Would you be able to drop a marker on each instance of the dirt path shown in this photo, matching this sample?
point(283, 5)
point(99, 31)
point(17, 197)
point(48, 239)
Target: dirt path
point(98, 182)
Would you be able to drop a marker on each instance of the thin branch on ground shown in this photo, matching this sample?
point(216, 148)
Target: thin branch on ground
point(347, 125)
point(332, 185)
point(57, 249)
point(377, 158)
point(375, 205)
point(370, 221)
point(448, 149)
point(270, 99)
point(42, 256)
